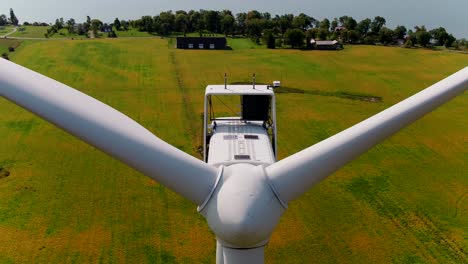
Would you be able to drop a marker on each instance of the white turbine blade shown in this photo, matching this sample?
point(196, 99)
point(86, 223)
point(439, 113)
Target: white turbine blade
point(107, 129)
point(295, 174)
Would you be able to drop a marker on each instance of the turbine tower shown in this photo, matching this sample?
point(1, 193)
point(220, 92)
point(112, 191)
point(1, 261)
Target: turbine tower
point(242, 202)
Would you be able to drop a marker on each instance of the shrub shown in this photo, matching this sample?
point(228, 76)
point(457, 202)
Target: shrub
point(279, 43)
point(408, 44)
point(112, 34)
point(5, 56)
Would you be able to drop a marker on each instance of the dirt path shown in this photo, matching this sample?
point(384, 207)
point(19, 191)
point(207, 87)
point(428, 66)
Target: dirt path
point(188, 110)
point(9, 33)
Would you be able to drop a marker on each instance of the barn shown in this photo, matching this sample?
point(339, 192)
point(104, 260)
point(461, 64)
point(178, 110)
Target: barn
point(201, 43)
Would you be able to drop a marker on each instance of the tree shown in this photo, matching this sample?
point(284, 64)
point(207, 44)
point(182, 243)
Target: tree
point(322, 34)
point(285, 22)
point(124, 24)
point(325, 24)
point(166, 23)
point(423, 37)
point(146, 24)
point(181, 23)
point(80, 29)
point(411, 36)
point(295, 37)
point(312, 33)
point(400, 32)
point(377, 24)
point(269, 38)
point(195, 22)
point(117, 24)
point(111, 34)
point(96, 24)
point(240, 23)
point(59, 23)
point(253, 14)
point(211, 19)
point(385, 35)
point(334, 24)
point(87, 24)
point(353, 36)
point(408, 43)
point(460, 44)
point(227, 23)
point(348, 22)
point(449, 41)
point(13, 18)
point(71, 25)
point(254, 27)
point(363, 27)
point(3, 20)
point(302, 21)
point(440, 35)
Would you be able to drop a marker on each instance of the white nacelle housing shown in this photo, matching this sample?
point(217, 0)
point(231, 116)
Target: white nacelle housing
point(247, 138)
point(238, 141)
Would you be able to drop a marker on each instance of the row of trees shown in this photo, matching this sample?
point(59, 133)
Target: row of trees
point(72, 27)
point(296, 31)
point(12, 20)
point(255, 24)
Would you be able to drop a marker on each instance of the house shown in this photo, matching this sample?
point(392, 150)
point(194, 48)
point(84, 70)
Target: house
point(325, 44)
point(106, 28)
point(201, 43)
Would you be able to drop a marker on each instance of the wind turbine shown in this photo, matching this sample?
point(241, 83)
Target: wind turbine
point(242, 202)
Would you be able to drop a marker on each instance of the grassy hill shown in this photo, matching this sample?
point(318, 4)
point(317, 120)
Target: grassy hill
point(405, 201)
point(30, 32)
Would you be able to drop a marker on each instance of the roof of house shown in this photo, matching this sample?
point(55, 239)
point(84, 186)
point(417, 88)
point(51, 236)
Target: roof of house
point(323, 42)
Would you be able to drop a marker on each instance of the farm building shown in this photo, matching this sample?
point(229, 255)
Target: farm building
point(325, 44)
point(201, 43)
point(106, 28)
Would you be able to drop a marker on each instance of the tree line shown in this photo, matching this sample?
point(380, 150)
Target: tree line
point(274, 31)
point(294, 30)
point(94, 25)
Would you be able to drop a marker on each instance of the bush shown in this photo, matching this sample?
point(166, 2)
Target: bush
point(408, 44)
point(112, 34)
point(369, 40)
point(279, 43)
point(5, 56)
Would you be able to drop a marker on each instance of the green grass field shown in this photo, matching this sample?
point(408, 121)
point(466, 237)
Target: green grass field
point(5, 29)
point(5, 44)
point(30, 32)
point(405, 201)
point(63, 33)
point(132, 32)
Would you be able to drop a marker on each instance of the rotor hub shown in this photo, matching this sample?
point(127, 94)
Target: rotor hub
point(243, 209)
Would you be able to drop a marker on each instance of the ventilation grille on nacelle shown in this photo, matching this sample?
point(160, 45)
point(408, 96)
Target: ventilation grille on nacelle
point(242, 157)
point(230, 137)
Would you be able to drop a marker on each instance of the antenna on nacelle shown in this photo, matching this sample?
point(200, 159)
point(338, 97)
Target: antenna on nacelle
point(225, 81)
point(253, 80)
